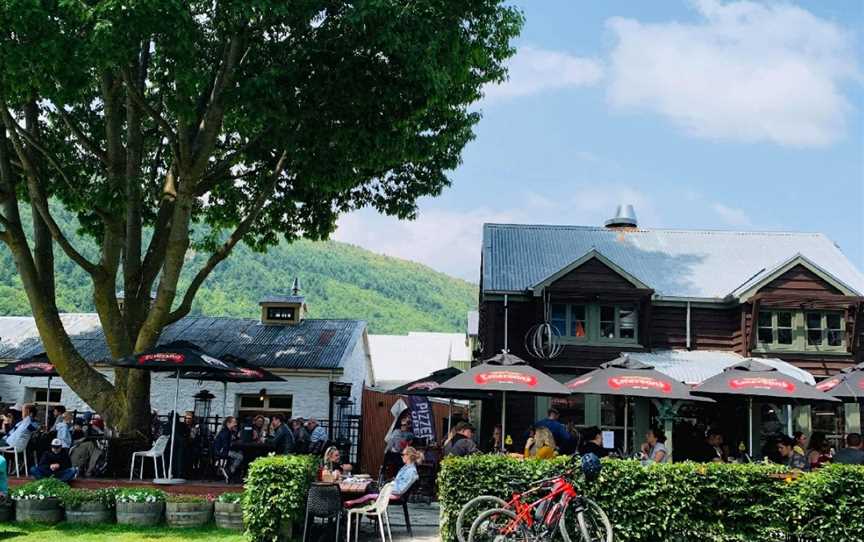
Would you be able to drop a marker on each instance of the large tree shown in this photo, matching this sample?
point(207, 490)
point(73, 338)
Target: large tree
point(172, 125)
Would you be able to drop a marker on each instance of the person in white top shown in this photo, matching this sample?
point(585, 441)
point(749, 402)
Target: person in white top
point(654, 449)
point(20, 432)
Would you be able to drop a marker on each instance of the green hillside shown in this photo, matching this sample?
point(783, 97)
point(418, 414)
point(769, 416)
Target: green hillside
point(338, 280)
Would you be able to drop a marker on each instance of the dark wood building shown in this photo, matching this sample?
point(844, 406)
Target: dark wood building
point(726, 295)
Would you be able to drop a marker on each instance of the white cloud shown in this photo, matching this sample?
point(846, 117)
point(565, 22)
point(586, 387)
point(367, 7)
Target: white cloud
point(732, 216)
point(745, 72)
point(534, 70)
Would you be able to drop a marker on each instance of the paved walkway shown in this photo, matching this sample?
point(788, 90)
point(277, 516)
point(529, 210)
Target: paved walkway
point(424, 522)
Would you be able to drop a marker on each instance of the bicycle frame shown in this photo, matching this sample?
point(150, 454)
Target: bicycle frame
point(556, 502)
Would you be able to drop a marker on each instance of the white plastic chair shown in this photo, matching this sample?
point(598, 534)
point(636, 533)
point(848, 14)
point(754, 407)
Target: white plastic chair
point(20, 449)
point(157, 451)
point(377, 509)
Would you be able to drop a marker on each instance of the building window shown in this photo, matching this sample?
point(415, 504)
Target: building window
point(595, 323)
point(252, 405)
point(801, 330)
point(40, 396)
point(280, 313)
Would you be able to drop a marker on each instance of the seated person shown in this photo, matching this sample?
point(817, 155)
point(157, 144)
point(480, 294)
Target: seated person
point(853, 453)
point(63, 427)
point(400, 438)
point(222, 446)
point(332, 464)
point(462, 443)
point(22, 430)
point(405, 478)
point(86, 452)
point(281, 438)
point(791, 458)
point(4, 478)
point(541, 445)
point(592, 443)
point(317, 436)
point(55, 463)
point(259, 431)
point(654, 449)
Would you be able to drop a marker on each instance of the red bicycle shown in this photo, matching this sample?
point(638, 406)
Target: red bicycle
point(560, 509)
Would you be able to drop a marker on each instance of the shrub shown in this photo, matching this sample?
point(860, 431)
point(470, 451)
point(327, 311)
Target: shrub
point(230, 498)
point(40, 490)
point(681, 501)
point(76, 497)
point(276, 489)
point(140, 494)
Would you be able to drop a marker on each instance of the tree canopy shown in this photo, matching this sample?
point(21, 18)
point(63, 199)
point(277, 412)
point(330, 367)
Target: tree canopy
point(242, 120)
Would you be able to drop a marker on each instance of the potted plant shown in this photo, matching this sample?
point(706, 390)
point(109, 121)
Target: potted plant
point(188, 510)
point(89, 506)
point(39, 500)
point(229, 511)
point(7, 509)
point(140, 506)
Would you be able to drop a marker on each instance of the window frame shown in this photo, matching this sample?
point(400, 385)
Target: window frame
point(264, 410)
point(592, 324)
point(800, 332)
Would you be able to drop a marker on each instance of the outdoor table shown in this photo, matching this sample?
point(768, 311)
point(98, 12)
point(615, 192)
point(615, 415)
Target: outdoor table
point(352, 488)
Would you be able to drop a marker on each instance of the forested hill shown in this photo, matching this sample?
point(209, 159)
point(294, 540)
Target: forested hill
point(338, 280)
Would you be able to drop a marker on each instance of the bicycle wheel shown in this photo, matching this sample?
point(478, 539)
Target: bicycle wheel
point(590, 524)
point(498, 525)
point(472, 510)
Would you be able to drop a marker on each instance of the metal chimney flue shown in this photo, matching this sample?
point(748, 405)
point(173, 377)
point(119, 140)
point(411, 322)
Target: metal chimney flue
point(625, 217)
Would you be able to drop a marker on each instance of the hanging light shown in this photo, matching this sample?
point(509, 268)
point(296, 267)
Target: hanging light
point(262, 395)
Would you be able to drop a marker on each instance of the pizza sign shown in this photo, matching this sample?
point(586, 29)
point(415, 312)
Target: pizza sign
point(428, 385)
point(169, 357)
point(828, 385)
point(505, 377)
point(580, 382)
point(639, 383)
point(34, 365)
point(757, 383)
point(250, 373)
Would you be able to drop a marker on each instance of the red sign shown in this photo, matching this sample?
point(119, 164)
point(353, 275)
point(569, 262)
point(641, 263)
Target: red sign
point(762, 384)
point(38, 365)
point(505, 377)
point(428, 385)
point(170, 357)
point(828, 385)
point(639, 383)
point(861, 383)
point(580, 382)
point(251, 373)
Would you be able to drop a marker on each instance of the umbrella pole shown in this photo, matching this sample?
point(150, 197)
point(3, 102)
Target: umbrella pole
point(750, 424)
point(503, 420)
point(449, 414)
point(789, 427)
point(47, 403)
point(626, 430)
point(224, 400)
point(170, 476)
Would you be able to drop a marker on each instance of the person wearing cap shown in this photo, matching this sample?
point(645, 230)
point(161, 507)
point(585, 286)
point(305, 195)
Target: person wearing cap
point(55, 463)
point(462, 443)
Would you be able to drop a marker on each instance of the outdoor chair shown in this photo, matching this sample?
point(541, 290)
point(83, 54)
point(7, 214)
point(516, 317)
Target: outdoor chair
point(156, 452)
point(20, 449)
point(377, 509)
point(403, 500)
point(323, 501)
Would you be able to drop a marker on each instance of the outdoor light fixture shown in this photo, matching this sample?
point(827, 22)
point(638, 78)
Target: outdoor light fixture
point(262, 394)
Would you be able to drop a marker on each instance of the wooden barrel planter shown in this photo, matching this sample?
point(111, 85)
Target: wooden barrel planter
point(188, 514)
point(229, 515)
point(7, 511)
point(140, 513)
point(89, 512)
point(41, 511)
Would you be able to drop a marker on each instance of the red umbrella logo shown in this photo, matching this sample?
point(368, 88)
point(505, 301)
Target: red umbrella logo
point(580, 382)
point(429, 385)
point(639, 383)
point(37, 365)
point(505, 377)
point(762, 384)
point(861, 383)
point(170, 357)
point(828, 385)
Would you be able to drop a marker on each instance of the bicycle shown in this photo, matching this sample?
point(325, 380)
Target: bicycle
point(521, 521)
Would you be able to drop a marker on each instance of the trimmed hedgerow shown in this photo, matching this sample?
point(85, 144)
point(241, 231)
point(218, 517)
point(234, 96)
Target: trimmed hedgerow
point(275, 493)
point(682, 501)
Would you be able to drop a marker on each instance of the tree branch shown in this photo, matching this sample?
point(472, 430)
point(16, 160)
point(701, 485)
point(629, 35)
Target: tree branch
point(139, 99)
point(224, 251)
point(85, 141)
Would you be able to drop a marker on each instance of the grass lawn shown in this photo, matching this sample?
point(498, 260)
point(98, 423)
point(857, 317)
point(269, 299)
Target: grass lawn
point(66, 532)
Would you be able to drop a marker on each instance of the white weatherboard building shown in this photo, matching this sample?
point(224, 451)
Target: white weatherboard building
point(307, 353)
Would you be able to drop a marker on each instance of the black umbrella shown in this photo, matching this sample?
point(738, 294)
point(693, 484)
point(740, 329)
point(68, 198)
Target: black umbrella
point(752, 378)
point(431, 386)
point(177, 357)
point(630, 378)
point(245, 372)
point(506, 373)
point(848, 385)
point(39, 366)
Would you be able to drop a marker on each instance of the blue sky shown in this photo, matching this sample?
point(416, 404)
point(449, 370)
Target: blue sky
point(702, 114)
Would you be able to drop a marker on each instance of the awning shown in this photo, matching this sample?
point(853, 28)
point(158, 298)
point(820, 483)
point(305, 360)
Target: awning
point(696, 366)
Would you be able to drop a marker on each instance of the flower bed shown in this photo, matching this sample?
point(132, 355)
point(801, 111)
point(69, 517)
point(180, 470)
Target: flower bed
point(228, 511)
point(140, 506)
point(683, 501)
point(90, 506)
point(188, 510)
point(39, 500)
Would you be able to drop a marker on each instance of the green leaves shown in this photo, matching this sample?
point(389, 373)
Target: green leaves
point(40, 490)
point(275, 491)
point(685, 502)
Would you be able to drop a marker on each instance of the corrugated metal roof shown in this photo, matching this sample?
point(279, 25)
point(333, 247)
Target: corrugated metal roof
point(694, 367)
point(311, 344)
point(282, 299)
point(675, 263)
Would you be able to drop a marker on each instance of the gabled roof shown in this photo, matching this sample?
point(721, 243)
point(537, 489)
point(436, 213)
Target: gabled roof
point(761, 279)
point(708, 265)
point(592, 254)
point(696, 366)
point(311, 344)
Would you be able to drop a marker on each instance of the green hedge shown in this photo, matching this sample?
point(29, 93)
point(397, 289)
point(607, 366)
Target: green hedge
point(683, 501)
point(275, 493)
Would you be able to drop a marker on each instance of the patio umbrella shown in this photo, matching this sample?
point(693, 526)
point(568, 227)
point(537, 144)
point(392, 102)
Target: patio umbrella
point(177, 357)
point(245, 372)
point(38, 365)
point(849, 384)
point(630, 378)
point(506, 373)
point(752, 378)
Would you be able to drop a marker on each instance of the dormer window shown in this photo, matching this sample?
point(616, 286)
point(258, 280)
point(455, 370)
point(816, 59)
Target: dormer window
point(596, 324)
point(801, 331)
point(281, 313)
point(282, 310)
